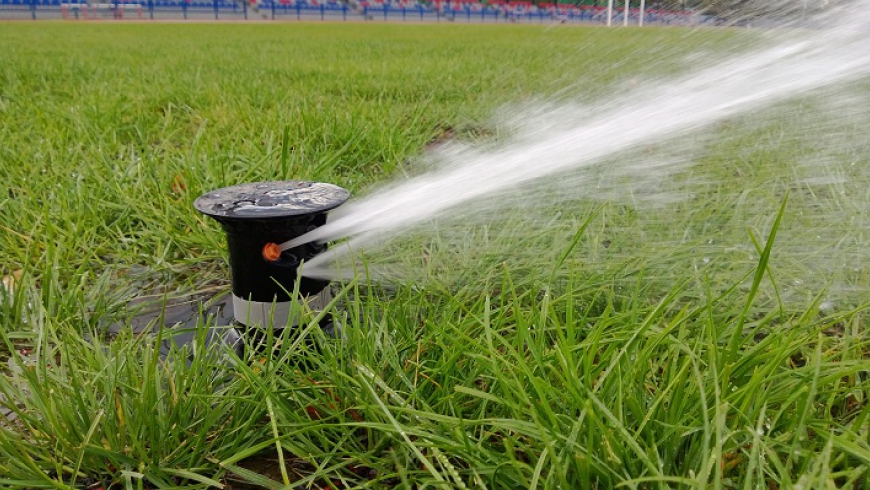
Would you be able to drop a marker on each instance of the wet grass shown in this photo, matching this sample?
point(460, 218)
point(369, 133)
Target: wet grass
point(554, 359)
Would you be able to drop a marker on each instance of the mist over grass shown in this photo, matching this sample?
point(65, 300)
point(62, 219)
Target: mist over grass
point(588, 341)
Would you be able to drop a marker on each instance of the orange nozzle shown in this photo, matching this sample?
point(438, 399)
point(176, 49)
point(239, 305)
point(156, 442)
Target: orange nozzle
point(271, 252)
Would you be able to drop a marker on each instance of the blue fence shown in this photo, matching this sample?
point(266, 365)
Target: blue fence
point(308, 10)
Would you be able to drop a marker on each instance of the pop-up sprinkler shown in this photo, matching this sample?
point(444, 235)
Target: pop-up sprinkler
point(257, 217)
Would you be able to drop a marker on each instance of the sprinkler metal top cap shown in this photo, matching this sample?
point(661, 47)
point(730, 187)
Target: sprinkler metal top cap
point(280, 199)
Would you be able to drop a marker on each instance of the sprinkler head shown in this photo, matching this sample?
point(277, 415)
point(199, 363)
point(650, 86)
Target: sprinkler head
point(256, 217)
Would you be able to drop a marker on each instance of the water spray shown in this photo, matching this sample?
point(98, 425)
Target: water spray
point(800, 64)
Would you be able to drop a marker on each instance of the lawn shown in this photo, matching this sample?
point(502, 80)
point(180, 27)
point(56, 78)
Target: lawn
point(714, 341)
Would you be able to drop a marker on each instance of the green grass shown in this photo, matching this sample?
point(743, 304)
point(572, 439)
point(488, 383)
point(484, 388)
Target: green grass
point(686, 346)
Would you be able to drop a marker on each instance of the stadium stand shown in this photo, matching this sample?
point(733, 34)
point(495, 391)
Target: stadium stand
point(391, 10)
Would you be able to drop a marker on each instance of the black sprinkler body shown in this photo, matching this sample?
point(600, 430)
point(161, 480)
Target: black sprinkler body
point(260, 213)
